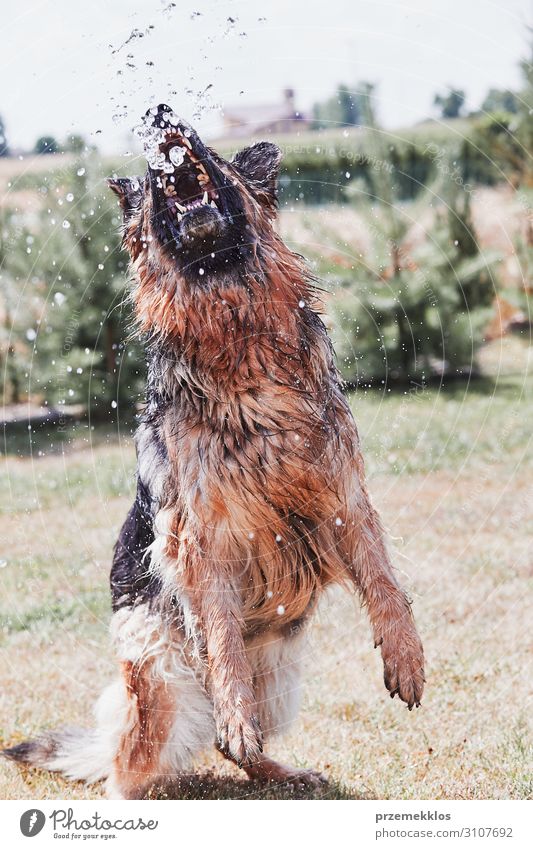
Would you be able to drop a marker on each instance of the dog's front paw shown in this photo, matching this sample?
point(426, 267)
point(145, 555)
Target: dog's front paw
point(403, 662)
point(239, 734)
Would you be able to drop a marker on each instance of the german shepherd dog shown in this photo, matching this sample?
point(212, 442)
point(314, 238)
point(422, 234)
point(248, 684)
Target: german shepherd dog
point(251, 495)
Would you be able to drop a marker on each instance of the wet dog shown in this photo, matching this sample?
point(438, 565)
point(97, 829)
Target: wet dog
point(251, 495)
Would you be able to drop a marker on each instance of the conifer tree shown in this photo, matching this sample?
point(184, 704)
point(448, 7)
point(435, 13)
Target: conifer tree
point(413, 308)
point(76, 275)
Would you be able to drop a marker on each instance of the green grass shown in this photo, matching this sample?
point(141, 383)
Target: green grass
point(459, 428)
point(451, 473)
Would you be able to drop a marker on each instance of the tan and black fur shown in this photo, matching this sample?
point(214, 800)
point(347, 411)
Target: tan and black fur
point(251, 489)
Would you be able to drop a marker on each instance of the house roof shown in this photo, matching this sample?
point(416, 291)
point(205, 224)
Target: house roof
point(259, 114)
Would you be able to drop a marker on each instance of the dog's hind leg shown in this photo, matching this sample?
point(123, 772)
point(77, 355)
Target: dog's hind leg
point(167, 716)
point(268, 771)
point(275, 660)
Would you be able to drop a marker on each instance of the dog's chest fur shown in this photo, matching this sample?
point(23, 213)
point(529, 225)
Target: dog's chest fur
point(238, 452)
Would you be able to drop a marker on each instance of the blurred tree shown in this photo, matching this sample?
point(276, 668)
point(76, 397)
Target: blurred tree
point(451, 103)
point(88, 320)
point(521, 297)
point(413, 308)
point(4, 147)
point(495, 136)
point(506, 138)
point(75, 143)
point(524, 130)
point(19, 306)
point(67, 279)
point(345, 108)
point(500, 100)
point(46, 144)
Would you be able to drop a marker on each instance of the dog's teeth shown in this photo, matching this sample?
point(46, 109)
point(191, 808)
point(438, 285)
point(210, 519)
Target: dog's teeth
point(187, 142)
point(181, 208)
point(213, 204)
point(180, 216)
point(205, 198)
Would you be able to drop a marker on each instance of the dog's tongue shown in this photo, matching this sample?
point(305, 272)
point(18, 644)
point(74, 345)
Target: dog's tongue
point(153, 131)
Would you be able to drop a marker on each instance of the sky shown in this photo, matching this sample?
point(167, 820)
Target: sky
point(95, 67)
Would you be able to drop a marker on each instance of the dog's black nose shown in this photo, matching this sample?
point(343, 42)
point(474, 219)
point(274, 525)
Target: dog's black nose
point(156, 114)
point(164, 118)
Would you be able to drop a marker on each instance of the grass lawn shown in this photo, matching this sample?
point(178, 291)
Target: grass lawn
point(451, 472)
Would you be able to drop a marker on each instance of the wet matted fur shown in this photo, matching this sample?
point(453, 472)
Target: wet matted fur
point(251, 495)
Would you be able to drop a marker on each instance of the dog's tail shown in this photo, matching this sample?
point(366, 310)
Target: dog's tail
point(78, 753)
point(82, 754)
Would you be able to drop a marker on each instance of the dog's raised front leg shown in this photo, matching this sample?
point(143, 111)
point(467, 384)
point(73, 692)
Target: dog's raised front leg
point(388, 608)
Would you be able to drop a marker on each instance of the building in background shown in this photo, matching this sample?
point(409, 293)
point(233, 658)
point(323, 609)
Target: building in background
point(282, 117)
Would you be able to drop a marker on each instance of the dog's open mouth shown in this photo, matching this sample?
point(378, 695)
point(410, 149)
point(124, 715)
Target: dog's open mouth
point(185, 181)
point(179, 171)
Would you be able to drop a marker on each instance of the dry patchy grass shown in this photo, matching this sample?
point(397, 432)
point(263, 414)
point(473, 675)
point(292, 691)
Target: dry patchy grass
point(451, 474)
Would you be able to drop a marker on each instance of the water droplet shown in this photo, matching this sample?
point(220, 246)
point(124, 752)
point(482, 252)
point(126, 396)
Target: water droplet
point(176, 155)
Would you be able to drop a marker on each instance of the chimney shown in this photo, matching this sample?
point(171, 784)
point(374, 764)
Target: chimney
point(288, 94)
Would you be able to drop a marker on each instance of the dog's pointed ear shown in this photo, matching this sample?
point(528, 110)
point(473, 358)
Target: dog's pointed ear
point(129, 192)
point(260, 164)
